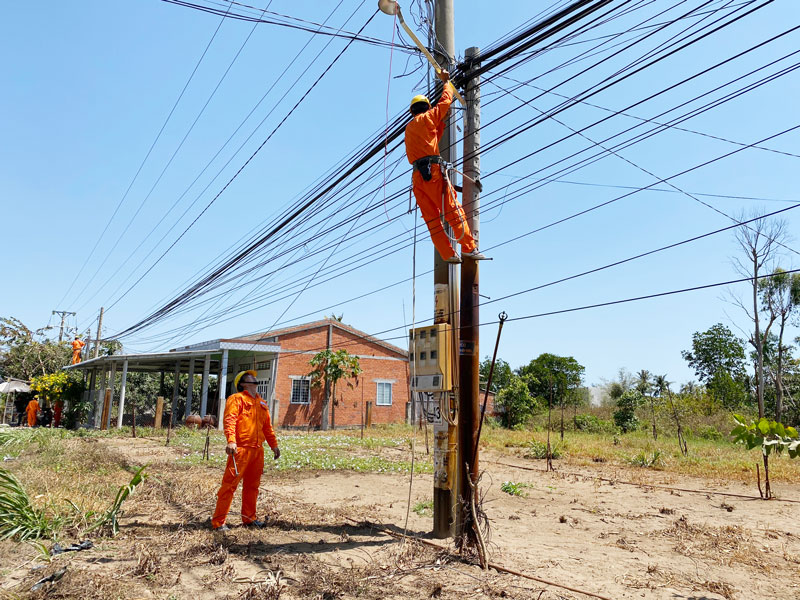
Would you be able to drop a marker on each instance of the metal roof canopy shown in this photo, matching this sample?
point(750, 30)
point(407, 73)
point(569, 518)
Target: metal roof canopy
point(166, 361)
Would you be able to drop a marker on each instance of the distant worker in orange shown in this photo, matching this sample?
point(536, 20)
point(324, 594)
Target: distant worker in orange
point(32, 410)
point(247, 425)
point(432, 189)
point(77, 346)
point(58, 408)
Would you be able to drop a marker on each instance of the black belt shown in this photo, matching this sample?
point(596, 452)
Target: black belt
point(423, 165)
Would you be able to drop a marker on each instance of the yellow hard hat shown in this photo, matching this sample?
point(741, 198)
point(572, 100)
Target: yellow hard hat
point(419, 98)
point(242, 374)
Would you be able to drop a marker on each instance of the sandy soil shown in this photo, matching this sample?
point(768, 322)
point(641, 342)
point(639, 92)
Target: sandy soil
point(581, 527)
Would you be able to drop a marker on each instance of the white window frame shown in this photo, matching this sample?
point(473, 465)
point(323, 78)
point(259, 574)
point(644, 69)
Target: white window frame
point(300, 378)
point(378, 384)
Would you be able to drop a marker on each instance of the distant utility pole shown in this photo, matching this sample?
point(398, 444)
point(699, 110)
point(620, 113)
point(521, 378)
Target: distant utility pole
point(444, 492)
point(468, 347)
point(99, 333)
point(64, 314)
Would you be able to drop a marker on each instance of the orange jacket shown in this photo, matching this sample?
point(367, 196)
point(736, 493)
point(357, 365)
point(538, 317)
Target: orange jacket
point(32, 408)
point(78, 345)
point(247, 421)
point(424, 131)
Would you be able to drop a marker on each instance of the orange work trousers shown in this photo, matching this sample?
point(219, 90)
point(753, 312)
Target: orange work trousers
point(429, 199)
point(250, 463)
point(76, 357)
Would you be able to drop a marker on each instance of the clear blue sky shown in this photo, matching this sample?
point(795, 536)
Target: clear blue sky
point(89, 84)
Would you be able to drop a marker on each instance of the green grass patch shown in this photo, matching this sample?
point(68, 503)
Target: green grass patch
point(424, 508)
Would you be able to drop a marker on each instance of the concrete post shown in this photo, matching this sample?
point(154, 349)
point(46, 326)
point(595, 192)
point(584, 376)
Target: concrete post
point(111, 385)
point(122, 385)
point(223, 378)
point(189, 389)
point(204, 390)
point(176, 385)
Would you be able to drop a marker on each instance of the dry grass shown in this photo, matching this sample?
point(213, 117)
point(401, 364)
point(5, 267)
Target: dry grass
point(725, 545)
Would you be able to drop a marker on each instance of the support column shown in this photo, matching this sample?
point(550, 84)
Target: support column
point(122, 385)
point(223, 378)
point(176, 386)
point(204, 387)
point(189, 389)
point(91, 397)
point(111, 385)
point(99, 399)
point(273, 399)
point(468, 350)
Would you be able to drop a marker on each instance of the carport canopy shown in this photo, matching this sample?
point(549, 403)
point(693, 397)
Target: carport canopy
point(213, 357)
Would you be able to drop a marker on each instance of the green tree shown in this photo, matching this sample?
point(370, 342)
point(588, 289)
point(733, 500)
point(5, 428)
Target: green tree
point(718, 359)
point(329, 368)
point(780, 298)
point(500, 378)
point(554, 380)
point(625, 416)
point(25, 353)
point(644, 385)
point(517, 402)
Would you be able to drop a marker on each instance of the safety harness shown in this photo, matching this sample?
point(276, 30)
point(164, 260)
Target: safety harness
point(423, 166)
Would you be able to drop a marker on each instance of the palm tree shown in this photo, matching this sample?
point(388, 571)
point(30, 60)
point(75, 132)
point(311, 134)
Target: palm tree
point(644, 385)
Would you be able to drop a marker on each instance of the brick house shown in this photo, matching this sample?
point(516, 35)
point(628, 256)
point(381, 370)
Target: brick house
point(295, 403)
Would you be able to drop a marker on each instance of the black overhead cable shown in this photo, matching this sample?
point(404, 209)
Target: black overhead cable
point(131, 272)
point(301, 24)
point(395, 133)
point(283, 223)
point(144, 160)
point(148, 255)
point(169, 162)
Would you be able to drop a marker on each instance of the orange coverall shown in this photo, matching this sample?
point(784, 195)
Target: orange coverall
point(247, 424)
point(58, 408)
point(77, 346)
point(31, 410)
point(422, 139)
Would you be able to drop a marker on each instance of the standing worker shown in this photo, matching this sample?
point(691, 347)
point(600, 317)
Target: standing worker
point(58, 408)
point(247, 425)
point(432, 189)
point(77, 346)
point(32, 410)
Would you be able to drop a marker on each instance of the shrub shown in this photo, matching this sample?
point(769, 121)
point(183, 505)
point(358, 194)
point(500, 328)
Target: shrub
point(539, 450)
point(512, 488)
point(591, 424)
point(625, 415)
point(708, 432)
point(649, 460)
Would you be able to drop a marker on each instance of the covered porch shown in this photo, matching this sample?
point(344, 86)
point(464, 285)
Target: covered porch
point(220, 359)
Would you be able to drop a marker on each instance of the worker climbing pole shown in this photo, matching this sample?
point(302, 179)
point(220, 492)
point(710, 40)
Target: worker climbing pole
point(443, 362)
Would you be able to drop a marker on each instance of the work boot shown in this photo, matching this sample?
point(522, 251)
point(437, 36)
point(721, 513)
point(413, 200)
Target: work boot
point(222, 528)
point(453, 260)
point(256, 524)
point(474, 255)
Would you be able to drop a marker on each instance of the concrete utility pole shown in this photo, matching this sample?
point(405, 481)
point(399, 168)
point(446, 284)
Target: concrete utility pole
point(99, 332)
point(64, 314)
point(469, 367)
point(444, 492)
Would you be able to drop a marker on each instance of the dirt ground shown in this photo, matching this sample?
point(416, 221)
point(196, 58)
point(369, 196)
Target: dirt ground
point(580, 527)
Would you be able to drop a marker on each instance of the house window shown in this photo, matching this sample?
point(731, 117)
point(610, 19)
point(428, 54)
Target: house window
point(301, 390)
point(264, 366)
point(263, 388)
point(383, 396)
